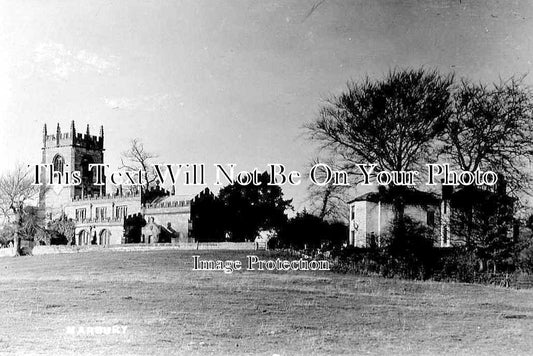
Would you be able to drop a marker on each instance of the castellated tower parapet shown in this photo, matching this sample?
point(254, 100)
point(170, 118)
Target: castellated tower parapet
point(72, 138)
point(68, 151)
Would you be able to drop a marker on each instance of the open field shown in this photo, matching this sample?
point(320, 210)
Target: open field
point(169, 309)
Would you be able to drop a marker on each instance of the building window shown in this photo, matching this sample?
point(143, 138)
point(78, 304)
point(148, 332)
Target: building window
point(101, 213)
point(59, 163)
point(81, 214)
point(430, 220)
point(353, 213)
point(121, 211)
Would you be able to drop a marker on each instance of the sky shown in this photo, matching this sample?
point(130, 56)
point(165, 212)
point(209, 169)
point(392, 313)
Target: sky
point(228, 81)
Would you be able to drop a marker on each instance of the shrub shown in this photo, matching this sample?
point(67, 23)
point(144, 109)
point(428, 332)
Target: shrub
point(456, 264)
point(358, 260)
point(525, 259)
point(409, 246)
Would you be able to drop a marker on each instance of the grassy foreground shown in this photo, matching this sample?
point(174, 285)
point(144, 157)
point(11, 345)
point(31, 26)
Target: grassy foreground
point(169, 309)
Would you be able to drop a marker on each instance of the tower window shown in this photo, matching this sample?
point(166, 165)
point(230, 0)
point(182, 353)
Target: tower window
point(430, 219)
point(59, 163)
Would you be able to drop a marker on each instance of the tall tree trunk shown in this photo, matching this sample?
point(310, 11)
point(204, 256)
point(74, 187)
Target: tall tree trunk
point(469, 216)
point(398, 193)
point(16, 237)
point(16, 243)
point(325, 201)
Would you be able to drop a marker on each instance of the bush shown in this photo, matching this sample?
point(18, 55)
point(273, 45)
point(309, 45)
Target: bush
point(525, 259)
point(456, 264)
point(358, 260)
point(309, 231)
point(409, 246)
point(6, 235)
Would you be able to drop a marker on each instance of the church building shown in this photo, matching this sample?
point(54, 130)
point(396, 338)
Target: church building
point(106, 216)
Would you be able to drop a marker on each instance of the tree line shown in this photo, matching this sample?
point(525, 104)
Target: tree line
point(399, 122)
point(411, 117)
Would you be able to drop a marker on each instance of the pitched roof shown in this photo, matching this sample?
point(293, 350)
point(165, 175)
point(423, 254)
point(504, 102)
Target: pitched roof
point(371, 196)
point(411, 197)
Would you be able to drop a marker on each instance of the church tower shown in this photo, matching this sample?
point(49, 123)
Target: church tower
point(68, 152)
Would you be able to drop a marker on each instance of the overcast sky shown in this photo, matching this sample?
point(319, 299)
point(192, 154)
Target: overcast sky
point(228, 81)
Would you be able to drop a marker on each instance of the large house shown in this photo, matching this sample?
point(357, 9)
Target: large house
point(456, 216)
point(371, 217)
point(103, 215)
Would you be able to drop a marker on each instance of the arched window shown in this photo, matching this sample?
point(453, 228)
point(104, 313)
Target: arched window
point(59, 163)
point(105, 237)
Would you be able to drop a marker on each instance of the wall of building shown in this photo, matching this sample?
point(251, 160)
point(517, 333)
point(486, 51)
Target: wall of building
point(74, 148)
point(88, 205)
point(379, 220)
point(132, 204)
point(370, 218)
point(358, 221)
point(109, 233)
point(54, 198)
point(92, 155)
point(94, 224)
point(177, 216)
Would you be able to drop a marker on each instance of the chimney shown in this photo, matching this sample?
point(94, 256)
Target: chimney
point(447, 191)
point(501, 185)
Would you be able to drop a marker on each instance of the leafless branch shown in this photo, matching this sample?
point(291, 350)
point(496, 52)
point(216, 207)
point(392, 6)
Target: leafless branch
point(137, 158)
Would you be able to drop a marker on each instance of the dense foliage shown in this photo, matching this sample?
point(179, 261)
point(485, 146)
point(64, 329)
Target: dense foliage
point(247, 209)
point(307, 231)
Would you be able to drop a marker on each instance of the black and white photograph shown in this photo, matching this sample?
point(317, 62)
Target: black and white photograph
point(274, 177)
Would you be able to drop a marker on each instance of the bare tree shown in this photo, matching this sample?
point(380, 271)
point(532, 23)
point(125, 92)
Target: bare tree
point(391, 122)
point(137, 158)
point(16, 190)
point(329, 201)
point(492, 128)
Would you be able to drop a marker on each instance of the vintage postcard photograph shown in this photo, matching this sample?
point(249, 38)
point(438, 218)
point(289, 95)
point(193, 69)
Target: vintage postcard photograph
point(274, 177)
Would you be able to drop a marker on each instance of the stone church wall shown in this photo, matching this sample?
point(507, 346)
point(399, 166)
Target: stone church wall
point(178, 217)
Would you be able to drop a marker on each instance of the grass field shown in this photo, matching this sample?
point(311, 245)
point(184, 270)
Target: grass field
point(169, 309)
